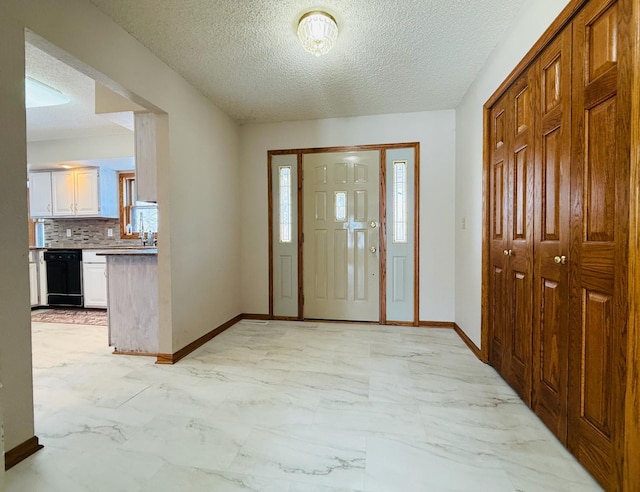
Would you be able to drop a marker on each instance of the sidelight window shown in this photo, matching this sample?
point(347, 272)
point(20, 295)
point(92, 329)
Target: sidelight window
point(400, 225)
point(285, 213)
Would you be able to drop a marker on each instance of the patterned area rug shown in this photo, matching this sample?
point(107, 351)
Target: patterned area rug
point(70, 316)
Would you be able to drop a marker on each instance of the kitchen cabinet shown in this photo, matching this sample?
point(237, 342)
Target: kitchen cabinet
point(87, 192)
point(33, 283)
point(40, 194)
point(94, 280)
point(133, 302)
point(63, 193)
point(42, 280)
point(82, 192)
point(37, 278)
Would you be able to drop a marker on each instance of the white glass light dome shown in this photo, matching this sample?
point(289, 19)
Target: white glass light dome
point(318, 32)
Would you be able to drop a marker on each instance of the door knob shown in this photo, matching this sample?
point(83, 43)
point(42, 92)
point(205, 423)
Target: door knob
point(373, 224)
point(560, 259)
point(373, 249)
point(508, 252)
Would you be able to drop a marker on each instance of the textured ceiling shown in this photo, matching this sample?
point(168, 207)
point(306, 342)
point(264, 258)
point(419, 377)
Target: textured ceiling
point(77, 118)
point(390, 57)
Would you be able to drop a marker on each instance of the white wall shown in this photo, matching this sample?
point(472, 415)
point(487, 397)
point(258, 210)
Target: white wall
point(436, 133)
point(15, 337)
point(75, 149)
point(199, 261)
point(534, 19)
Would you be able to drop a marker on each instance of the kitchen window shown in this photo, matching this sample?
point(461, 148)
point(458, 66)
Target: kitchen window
point(136, 217)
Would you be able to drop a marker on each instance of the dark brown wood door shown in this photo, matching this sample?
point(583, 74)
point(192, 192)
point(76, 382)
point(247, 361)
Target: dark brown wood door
point(512, 139)
point(520, 269)
point(552, 231)
point(598, 257)
point(498, 231)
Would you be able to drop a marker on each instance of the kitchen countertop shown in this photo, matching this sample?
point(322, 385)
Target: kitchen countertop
point(96, 248)
point(127, 252)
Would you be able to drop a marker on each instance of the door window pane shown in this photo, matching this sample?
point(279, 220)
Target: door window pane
point(340, 206)
point(284, 184)
point(400, 201)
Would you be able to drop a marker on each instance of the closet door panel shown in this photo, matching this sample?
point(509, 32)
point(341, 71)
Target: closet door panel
point(498, 230)
point(524, 96)
point(552, 231)
point(552, 301)
point(596, 366)
point(520, 353)
point(498, 323)
point(599, 182)
point(599, 172)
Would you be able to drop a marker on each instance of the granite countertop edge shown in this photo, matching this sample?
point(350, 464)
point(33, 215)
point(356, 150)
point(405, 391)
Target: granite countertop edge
point(95, 248)
point(127, 252)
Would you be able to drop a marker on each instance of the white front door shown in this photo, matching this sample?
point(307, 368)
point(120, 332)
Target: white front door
point(341, 235)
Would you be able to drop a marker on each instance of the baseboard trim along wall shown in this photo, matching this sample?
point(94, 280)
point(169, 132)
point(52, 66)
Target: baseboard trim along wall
point(437, 324)
point(472, 346)
point(196, 344)
point(264, 317)
point(138, 354)
point(21, 452)
point(454, 326)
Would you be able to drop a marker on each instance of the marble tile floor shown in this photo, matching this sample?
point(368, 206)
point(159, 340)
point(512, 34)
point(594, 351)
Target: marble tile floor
point(285, 407)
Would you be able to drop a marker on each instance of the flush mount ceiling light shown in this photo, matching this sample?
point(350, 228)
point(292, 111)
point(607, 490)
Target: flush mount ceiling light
point(38, 95)
point(318, 32)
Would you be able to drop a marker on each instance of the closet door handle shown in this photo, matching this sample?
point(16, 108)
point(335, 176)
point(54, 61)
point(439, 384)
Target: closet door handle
point(508, 252)
point(560, 260)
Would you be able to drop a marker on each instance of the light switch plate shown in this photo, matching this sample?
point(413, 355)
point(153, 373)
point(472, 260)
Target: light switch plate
point(110, 232)
point(68, 232)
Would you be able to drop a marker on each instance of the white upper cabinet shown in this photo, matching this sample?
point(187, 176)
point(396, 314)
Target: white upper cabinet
point(87, 192)
point(82, 192)
point(64, 193)
point(40, 194)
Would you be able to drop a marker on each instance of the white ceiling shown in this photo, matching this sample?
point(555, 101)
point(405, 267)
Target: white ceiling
point(390, 57)
point(77, 118)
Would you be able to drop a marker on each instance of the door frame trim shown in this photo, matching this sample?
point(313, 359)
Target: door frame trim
point(382, 149)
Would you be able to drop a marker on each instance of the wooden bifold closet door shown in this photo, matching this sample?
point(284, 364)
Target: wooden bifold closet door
point(512, 233)
point(557, 167)
point(551, 232)
point(600, 214)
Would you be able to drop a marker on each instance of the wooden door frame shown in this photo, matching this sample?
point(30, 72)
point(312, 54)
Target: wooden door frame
point(382, 149)
point(630, 447)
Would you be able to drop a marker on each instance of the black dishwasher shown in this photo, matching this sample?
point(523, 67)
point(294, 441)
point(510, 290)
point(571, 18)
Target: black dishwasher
point(64, 277)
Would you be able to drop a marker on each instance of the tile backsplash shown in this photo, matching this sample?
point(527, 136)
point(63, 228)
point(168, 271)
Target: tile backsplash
point(84, 233)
